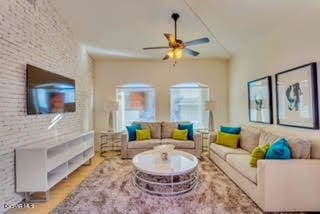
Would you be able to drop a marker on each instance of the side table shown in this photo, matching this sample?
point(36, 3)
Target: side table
point(109, 141)
point(205, 135)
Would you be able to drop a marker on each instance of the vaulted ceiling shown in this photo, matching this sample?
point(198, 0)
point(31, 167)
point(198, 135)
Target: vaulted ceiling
point(121, 28)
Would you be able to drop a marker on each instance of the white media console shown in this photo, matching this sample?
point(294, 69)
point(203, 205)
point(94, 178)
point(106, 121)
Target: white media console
point(41, 165)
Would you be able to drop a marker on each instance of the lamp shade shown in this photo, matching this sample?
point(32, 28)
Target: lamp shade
point(111, 106)
point(211, 105)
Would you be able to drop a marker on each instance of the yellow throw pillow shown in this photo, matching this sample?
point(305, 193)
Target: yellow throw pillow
point(180, 134)
point(229, 140)
point(144, 134)
point(258, 153)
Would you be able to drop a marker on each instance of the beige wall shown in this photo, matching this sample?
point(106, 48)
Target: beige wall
point(161, 74)
point(287, 47)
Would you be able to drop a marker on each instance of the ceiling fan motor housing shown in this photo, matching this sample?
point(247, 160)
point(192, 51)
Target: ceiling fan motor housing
point(179, 44)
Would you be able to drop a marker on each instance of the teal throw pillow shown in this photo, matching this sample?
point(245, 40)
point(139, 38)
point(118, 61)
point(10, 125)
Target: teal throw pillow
point(132, 131)
point(230, 130)
point(280, 150)
point(188, 126)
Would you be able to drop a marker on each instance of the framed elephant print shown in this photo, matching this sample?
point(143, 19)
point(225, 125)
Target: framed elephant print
point(297, 97)
point(260, 100)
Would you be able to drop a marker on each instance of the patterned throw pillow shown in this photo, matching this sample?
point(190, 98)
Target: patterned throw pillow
point(144, 134)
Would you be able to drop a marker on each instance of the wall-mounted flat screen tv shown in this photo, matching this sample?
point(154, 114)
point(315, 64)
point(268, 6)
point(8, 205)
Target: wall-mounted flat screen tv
point(49, 92)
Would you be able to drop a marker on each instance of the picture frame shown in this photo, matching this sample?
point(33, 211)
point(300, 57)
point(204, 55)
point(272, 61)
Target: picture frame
point(138, 100)
point(260, 100)
point(297, 97)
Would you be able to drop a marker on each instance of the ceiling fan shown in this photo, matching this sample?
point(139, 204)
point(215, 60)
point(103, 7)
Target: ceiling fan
point(178, 47)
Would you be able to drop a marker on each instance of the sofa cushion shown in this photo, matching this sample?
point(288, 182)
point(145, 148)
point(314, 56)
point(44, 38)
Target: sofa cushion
point(241, 163)
point(249, 138)
point(154, 127)
point(145, 144)
point(222, 151)
point(300, 148)
point(167, 129)
point(267, 138)
point(315, 149)
point(179, 144)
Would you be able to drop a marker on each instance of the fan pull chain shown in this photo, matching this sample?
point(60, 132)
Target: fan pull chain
point(175, 62)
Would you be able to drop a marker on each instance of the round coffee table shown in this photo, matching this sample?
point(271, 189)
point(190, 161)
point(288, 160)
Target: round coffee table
point(174, 176)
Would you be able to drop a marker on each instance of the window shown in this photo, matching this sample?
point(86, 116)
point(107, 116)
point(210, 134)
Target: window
point(188, 103)
point(136, 103)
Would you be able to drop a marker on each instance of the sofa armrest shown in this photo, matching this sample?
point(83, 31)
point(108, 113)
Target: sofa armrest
point(124, 145)
point(198, 143)
point(291, 184)
point(213, 137)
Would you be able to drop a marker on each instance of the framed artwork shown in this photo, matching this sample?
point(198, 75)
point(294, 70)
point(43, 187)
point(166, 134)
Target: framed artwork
point(297, 97)
point(138, 100)
point(260, 100)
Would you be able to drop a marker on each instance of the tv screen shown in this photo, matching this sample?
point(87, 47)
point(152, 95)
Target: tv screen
point(49, 92)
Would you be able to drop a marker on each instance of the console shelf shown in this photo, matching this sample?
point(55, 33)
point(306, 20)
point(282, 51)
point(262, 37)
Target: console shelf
point(42, 164)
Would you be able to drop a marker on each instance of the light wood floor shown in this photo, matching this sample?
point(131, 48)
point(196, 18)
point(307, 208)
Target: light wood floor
point(59, 192)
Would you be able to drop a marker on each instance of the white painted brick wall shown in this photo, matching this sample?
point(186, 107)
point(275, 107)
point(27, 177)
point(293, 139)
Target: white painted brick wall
point(36, 35)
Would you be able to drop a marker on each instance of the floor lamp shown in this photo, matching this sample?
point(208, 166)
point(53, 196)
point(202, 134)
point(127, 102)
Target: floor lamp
point(110, 107)
point(211, 105)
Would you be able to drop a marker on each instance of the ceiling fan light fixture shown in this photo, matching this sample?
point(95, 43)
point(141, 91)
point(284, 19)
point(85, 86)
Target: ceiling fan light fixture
point(178, 53)
point(171, 54)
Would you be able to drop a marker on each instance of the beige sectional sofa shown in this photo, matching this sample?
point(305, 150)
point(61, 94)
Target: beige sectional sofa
point(161, 133)
point(275, 185)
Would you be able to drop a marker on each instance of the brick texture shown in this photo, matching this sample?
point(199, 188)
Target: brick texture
point(38, 35)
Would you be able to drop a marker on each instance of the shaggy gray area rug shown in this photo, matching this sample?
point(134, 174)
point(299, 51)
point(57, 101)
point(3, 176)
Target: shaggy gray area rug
point(110, 190)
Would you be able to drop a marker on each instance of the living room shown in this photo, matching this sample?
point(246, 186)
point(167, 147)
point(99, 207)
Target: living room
point(98, 48)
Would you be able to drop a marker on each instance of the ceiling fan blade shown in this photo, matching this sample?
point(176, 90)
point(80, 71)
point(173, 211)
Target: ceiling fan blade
point(170, 38)
point(191, 52)
point(166, 57)
point(159, 47)
point(197, 41)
